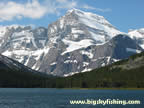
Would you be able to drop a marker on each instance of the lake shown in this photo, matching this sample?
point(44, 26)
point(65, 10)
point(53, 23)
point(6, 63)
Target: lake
point(60, 98)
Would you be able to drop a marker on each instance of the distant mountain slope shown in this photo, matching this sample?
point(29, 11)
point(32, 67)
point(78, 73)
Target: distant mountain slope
point(14, 74)
point(126, 73)
point(10, 64)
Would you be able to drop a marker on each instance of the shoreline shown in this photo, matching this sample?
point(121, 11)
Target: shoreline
point(102, 88)
point(83, 88)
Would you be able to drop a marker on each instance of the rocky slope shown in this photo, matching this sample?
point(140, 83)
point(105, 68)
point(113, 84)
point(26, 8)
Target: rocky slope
point(7, 64)
point(88, 58)
point(23, 44)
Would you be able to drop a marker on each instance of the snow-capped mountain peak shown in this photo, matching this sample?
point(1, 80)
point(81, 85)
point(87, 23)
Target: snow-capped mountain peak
point(82, 13)
point(89, 16)
point(77, 25)
point(137, 35)
point(94, 23)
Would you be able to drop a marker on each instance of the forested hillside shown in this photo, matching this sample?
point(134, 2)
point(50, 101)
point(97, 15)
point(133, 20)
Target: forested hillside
point(127, 73)
point(123, 74)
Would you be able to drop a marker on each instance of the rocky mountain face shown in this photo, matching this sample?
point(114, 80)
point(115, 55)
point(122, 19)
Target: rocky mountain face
point(7, 64)
point(77, 42)
point(88, 58)
point(23, 44)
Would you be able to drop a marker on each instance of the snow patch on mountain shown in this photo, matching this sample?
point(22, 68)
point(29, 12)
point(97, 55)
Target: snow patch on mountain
point(54, 63)
point(89, 54)
point(70, 61)
point(85, 64)
point(86, 70)
point(72, 45)
point(76, 31)
point(73, 73)
point(2, 31)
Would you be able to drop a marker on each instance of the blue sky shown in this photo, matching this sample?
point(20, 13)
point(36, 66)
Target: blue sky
point(123, 14)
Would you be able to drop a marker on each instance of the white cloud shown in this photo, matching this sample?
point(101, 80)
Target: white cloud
point(35, 9)
point(61, 1)
point(11, 10)
point(96, 9)
point(67, 5)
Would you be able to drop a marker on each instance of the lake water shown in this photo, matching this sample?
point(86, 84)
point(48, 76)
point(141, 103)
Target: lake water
point(60, 98)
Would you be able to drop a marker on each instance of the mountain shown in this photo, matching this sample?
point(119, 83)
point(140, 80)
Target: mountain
point(80, 42)
point(138, 36)
point(77, 42)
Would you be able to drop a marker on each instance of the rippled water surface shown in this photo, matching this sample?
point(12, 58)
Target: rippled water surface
point(60, 98)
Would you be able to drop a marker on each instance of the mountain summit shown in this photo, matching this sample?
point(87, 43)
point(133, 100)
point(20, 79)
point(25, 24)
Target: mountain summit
point(83, 25)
